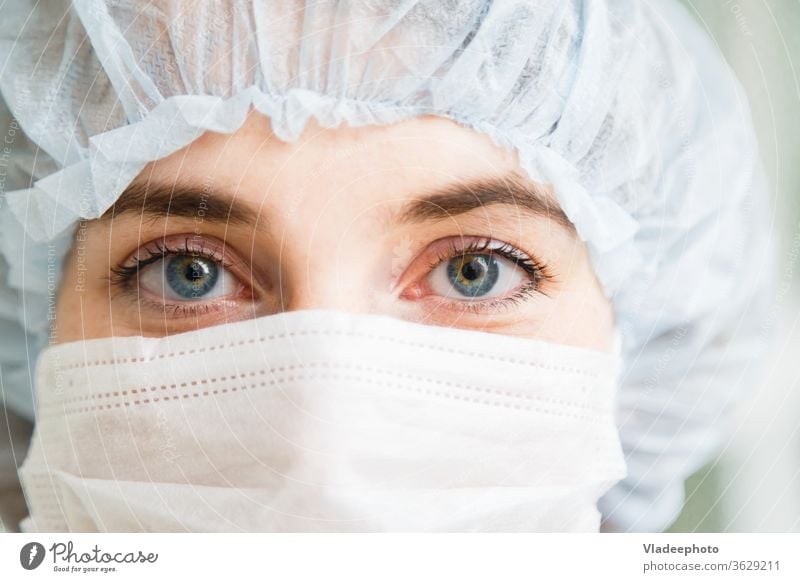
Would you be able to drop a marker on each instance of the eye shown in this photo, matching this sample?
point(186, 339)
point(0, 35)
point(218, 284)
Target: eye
point(474, 271)
point(187, 277)
point(472, 276)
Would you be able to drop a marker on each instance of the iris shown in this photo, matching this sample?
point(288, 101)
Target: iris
point(473, 275)
point(191, 277)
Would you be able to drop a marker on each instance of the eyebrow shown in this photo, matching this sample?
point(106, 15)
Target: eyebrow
point(160, 200)
point(509, 190)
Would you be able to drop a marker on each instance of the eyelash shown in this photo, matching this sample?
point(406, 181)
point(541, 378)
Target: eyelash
point(539, 272)
point(125, 276)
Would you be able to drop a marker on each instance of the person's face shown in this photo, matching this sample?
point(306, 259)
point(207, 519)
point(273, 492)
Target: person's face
point(423, 220)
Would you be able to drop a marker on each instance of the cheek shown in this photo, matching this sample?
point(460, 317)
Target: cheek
point(576, 313)
point(581, 316)
point(82, 312)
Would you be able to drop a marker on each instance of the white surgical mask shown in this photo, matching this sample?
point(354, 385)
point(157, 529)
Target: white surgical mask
point(322, 421)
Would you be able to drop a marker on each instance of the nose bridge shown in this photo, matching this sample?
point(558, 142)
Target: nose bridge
point(331, 258)
point(318, 298)
point(328, 280)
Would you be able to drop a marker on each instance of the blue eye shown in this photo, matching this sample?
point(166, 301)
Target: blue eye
point(182, 277)
point(473, 275)
point(477, 276)
point(190, 277)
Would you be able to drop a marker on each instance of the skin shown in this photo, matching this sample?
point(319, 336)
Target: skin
point(323, 228)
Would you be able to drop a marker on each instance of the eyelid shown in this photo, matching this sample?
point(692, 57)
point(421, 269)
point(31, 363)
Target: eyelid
point(125, 274)
point(448, 247)
point(159, 248)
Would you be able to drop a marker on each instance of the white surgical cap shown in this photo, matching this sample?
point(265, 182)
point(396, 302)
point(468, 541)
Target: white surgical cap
point(624, 106)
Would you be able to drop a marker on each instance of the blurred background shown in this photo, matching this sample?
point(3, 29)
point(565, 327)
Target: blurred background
point(754, 485)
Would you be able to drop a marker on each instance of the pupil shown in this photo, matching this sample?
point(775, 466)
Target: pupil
point(471, 271)
point(195, 271)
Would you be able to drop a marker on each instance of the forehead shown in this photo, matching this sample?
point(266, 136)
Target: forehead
point(370, 163)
